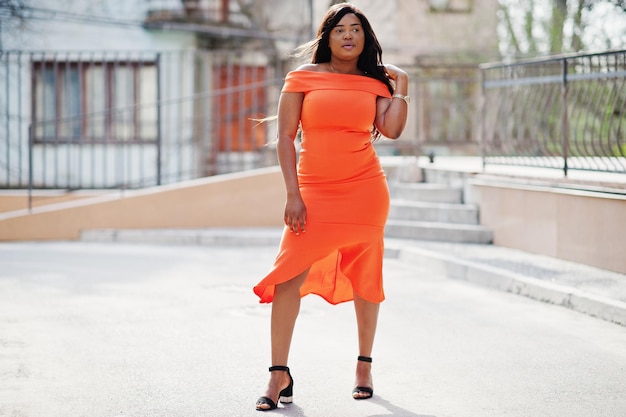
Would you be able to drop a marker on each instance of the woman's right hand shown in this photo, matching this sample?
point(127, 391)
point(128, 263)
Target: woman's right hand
point(295, 214)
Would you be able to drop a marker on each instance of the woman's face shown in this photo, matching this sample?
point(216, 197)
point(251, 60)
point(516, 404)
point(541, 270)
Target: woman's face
point(347, 39)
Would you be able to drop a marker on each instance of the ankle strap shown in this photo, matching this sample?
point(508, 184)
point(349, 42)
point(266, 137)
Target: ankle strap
point(279, 368)
point(365, 359)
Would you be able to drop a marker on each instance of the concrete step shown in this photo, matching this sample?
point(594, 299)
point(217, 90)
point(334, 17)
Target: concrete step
point(420, 191)
point(433, 212)
point(437, 231)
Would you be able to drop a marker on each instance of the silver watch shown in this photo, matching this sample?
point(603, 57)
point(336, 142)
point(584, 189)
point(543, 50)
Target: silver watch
point(406, 99)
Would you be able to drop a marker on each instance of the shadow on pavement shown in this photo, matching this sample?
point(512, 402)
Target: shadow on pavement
point(393, 409)
point(293, 410)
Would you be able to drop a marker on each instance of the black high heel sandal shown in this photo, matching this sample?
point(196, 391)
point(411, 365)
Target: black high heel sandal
point(285, 396)
point(359, 390)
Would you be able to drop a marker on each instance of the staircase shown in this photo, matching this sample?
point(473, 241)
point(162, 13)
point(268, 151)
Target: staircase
point(433, 211)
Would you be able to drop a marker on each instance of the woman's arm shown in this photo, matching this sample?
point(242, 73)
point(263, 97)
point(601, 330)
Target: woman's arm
point(289, 108)
point(391, 113)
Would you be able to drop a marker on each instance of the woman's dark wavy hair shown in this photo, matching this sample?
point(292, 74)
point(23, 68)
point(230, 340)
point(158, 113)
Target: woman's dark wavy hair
point(370, 60)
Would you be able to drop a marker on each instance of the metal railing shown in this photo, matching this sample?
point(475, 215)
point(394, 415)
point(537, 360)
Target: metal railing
point(97, 120)
point(446, 106)
point(565, 112)
point(105, 119)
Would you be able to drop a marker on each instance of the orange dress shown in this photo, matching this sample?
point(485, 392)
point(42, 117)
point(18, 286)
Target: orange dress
point(344, 189)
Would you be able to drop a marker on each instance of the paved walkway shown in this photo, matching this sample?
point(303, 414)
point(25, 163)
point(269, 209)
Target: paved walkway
point(129, 329)
point(585, 289)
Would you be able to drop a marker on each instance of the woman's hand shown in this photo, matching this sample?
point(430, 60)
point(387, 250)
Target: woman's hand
point(394, 72)
point(399, 78)
point(295, 214)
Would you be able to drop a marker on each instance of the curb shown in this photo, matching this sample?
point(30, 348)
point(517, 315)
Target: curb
point(499, 279)
point(201, 237)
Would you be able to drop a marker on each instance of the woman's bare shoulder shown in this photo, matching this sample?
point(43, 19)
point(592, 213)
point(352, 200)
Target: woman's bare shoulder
point(309, 67)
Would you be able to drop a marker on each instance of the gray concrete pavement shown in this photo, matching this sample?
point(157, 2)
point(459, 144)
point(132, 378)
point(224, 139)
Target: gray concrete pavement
point(582, 288)
point(118, 329)
point(594, 291)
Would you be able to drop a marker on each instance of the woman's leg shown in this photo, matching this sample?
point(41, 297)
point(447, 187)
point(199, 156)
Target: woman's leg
point(367, 319)
point(285, 309)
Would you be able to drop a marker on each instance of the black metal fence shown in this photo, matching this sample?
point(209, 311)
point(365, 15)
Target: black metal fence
point(75, 120)
point(566, 112)
point(446, 109)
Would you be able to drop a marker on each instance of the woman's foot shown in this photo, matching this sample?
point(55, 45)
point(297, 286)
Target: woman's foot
point(280, 387)
point(364, 384)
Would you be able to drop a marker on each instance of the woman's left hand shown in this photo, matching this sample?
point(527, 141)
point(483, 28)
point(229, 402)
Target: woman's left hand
point(394, 72)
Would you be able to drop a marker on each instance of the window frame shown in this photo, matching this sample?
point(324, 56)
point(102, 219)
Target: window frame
point(87, 120)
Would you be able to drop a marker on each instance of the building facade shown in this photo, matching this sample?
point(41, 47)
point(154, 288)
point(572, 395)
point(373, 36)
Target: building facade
point(135, 93)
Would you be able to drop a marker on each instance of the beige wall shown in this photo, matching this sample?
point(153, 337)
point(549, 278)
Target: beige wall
point(18, 200)
point(408, 28)
point(422, 32)
point(251, 198)
point(579, 226)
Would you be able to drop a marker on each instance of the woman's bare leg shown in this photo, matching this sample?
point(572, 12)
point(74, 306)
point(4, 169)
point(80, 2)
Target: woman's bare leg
point(285, 309)
point(367, 319)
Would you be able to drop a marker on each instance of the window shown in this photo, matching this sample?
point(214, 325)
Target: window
point(94, 102)
point(235, 111)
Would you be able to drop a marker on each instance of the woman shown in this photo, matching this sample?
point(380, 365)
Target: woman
point(337, 197)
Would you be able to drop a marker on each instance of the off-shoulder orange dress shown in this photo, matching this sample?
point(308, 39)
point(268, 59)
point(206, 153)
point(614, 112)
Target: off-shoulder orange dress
point(344, 189)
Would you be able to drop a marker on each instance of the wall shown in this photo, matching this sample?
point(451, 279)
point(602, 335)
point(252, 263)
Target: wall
point(251, 198)
point(59, 32)
point(407, 29)
point(580, 226)
point(422, 32)
point(12, 200)
point(88, 42)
